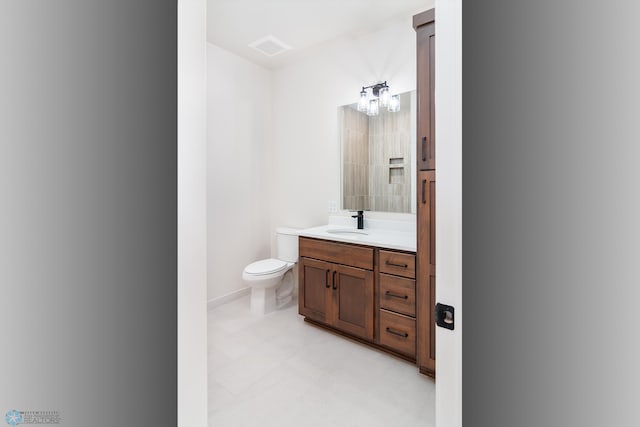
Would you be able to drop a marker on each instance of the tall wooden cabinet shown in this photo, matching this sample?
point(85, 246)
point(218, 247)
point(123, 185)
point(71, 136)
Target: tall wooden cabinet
point(424, 24)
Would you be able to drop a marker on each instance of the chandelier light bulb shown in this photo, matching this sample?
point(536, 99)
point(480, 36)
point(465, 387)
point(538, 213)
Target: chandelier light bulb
point(384, 96)
point(373, 107)
point(362, 103)
point(394, 103)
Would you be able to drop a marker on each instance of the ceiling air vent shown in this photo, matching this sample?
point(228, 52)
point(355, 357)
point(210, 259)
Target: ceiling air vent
point(269, 46)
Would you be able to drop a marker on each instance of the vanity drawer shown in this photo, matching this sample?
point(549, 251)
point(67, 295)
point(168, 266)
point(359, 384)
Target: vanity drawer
point(339, 253)
point(398, 263)
point(398, 332)
point(398, 294)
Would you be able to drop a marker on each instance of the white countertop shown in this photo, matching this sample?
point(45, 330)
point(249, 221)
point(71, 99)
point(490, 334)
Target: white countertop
point(398, 235)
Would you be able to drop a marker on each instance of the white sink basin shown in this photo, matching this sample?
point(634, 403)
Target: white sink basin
point(347, 231)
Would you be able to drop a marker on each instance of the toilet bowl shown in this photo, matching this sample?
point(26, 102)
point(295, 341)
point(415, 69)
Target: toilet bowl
point(272, 280)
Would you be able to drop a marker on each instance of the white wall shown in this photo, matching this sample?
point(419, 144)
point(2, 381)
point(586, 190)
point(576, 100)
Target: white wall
point(448, 93)
point(192, 225)
point(273, 157)
point(307, 93)
point(239, 168)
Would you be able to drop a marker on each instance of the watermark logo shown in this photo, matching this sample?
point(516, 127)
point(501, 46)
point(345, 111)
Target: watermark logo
point(13, 417)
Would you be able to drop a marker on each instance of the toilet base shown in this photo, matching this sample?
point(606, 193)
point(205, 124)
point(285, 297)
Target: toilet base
point(263, 301)
point(272, 295)
point(284, 301)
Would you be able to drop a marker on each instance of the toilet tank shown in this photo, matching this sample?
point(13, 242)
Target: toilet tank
point(287, 244)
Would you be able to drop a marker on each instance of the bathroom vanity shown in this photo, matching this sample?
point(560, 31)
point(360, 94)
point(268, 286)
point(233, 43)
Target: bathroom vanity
point(361, 284)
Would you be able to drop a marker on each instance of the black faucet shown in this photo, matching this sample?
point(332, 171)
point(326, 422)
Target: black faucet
point(360, 217)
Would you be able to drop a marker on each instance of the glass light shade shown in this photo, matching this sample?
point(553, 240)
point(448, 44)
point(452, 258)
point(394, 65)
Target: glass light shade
point(373, 107)
point(363, 102)
point(394, 103)
point(384, 96)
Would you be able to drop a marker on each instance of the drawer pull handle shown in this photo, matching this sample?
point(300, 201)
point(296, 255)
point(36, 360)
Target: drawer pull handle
point(400, 334)
point(391, 294)
point(326, 279)
point(335, 285)
point(393, 264)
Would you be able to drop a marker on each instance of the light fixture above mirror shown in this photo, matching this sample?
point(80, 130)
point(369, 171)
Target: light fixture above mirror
point(379, 97)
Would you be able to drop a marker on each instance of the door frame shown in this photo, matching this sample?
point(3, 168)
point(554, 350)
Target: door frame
point(448, 100)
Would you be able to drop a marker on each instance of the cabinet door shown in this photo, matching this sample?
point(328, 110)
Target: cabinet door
point(314, 295)
point(426, 271)
point(426, 106)
point(352, 293)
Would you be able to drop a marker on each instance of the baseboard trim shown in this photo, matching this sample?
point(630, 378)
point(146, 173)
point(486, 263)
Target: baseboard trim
point(218, 301)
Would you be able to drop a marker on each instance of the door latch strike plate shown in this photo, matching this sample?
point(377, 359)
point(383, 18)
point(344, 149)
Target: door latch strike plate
point(445, 316)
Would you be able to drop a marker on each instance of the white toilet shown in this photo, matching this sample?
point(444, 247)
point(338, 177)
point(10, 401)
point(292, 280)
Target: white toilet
point(272, 280)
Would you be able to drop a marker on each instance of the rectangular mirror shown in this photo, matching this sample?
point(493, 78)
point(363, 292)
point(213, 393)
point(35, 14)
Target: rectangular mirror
point(378, 156)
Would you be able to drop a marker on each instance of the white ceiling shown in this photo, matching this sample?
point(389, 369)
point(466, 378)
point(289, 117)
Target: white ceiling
point(301, 24)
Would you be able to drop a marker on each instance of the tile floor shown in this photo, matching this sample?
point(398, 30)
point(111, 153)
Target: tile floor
point(279, 371)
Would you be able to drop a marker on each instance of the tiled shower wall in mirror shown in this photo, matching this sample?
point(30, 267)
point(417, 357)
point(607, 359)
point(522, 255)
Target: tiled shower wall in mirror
point(355, 175)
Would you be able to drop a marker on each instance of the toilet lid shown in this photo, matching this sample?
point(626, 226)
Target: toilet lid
point(265, 266)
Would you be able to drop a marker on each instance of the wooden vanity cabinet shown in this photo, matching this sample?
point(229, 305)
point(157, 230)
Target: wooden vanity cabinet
point(334, 293)
point(363, 292)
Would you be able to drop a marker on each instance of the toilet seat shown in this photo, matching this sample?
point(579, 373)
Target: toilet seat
point(265, 266)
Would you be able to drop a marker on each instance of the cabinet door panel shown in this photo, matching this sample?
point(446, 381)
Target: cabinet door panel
point(426, 105)
point(314, 294)
point(426, 270)
point(352, 291)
